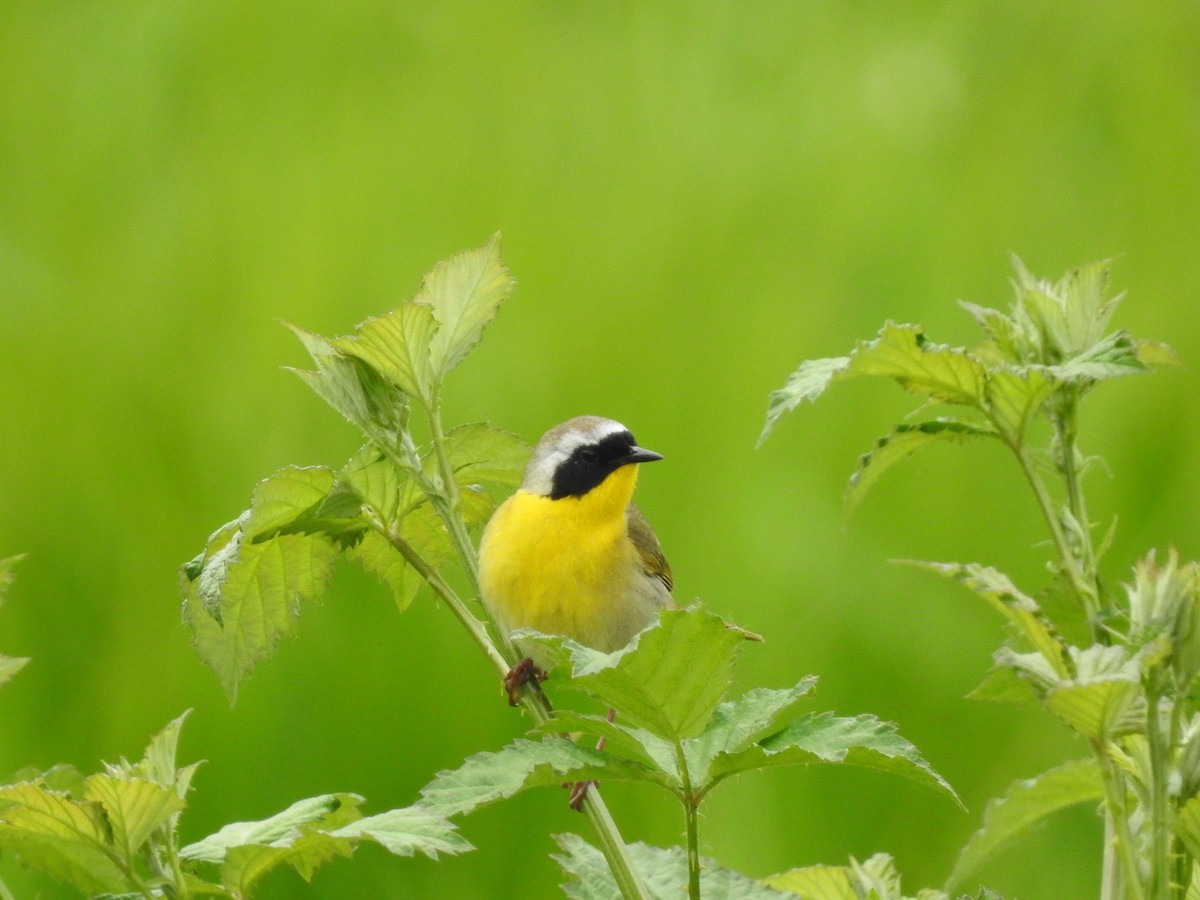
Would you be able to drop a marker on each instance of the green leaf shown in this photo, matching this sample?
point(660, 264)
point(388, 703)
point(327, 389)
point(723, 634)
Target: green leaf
point(464, 292)
point(484, 458)
point(65, 838)
point(1187, 825)
point(862, 741)
point(134, 809)
point(668, 680)
point(327, 810)
point(898, 446)
point(904, 354)
point(876, 878)
point(744, 722)
point(406, 831)
point(283, 497)
point(159, 761)
point(626, 741)
point(1013, 396)
point(246, 596)
point(486, 777)
point(808, 382)
point(1024, 805)
point(1021, 610)
point(900, 352)
point(817, 883)
point(395, 347)
point(1111, 357)
point(1002, 684)
point(1155, 354)
point(353, 388)
point(1094, 707)
point(664, 873)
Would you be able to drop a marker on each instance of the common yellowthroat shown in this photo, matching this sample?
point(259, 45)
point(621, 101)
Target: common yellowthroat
point(570, 553)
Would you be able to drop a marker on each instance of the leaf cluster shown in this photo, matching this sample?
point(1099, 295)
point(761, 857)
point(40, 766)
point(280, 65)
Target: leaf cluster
point(674, 729)
point(115, 832)
point(1051, 347)
point(398, 507)
point(1124, 681)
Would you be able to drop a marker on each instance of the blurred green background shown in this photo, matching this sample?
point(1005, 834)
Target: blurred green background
point(694, 198)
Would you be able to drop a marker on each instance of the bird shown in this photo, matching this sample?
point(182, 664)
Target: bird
point(569, 552)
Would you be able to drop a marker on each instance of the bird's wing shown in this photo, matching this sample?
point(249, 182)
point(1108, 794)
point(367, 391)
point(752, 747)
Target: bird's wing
point(648, 547)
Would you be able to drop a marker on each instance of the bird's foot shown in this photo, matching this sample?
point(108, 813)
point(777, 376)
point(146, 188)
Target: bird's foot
point(578, 792)
point(523, 673)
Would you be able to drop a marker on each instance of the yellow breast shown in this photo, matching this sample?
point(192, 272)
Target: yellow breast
point(568, 566)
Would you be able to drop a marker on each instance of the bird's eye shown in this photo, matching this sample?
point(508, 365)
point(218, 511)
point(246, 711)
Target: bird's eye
point(589, 455)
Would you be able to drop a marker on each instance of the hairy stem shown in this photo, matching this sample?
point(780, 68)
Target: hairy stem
point(1080, 583)
point(452, 514)
point(608, 836)
point(691, 812)
point(1160, 809)
point(1117, 811)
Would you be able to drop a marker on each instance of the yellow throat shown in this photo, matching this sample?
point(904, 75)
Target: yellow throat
point(567, 566)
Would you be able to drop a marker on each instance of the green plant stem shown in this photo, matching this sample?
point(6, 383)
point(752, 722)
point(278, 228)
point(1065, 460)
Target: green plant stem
point(691, 812)
point(5, 893)
point(1118, 817)
point(1160, 809)
point(535, 702)
point(1066, 430)
point(475, 628)
point(452, 514)
point(1083, 590)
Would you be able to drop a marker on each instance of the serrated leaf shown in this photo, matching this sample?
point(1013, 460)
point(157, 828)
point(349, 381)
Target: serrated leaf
point(898, 446)
point(62, 837)
point(816, 883)
point(1013, 396)
point(352, 387)
point(1187, 825)
point(245, 865)
point(1094, 707)
point(158, 763)
point(1002, 685)
point(627, 741)
point(406, 831)
point(134, 809)
point(862, 741)
point(486, 777)
point(741, 723)
point(904, 354)
point(327, 810)
point(481, 453)
point(464, 293)
point(1024, 805)
point(1111, 357)
point(670, 677)
point(1000, 327)
point(278, 500)
point(396, 346)
point(808, 382)
point(664, 873)
point(246, 599)
point(1021, 610)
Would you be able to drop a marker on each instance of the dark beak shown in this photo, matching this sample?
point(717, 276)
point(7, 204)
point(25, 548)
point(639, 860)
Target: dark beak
point(641, 455)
